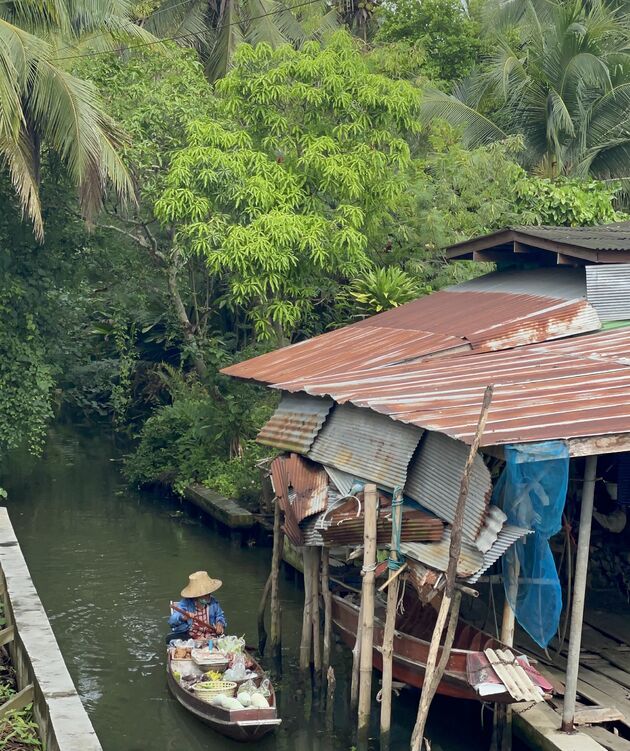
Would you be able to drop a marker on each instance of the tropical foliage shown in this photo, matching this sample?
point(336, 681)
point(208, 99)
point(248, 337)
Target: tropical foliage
point(44, 106)
point(559, 75)
point(259, 178)
point(293, 185)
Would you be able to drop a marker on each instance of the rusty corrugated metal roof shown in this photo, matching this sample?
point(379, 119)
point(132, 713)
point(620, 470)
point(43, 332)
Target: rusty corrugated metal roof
point(446, 323)
point(295, 423)
point(492, 320)
point(354, 346)
point(563, 389)
point(434, 479)
point(366, 444)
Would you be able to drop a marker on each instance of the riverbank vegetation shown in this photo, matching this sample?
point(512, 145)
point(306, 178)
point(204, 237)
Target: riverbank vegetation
point(189, 184)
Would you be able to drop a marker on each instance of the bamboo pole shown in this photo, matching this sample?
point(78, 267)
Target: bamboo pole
point(390, 624)
point(276, 558)
point(327, 597)
point(315, 574)
point(262, 606)
point(307, 626)
point(502, 730)
point(356, 658)
point(367, 615)
point(433, 671)
point(579, 594)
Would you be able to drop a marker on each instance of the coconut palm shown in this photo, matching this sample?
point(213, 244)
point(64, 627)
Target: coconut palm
point(42, 105)
point(217, 27)
point(560, 76)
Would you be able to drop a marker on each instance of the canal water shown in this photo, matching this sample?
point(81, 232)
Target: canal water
point(106, 560)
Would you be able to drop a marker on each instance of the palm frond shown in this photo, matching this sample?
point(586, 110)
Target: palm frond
point(477, 129)
point(67, 113)
point(19, 159)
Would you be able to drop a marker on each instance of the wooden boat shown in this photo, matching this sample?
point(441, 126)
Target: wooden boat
point(241, 725)
point(411, 647)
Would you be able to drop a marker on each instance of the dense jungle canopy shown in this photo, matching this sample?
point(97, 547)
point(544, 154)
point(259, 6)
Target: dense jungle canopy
point(189, 182)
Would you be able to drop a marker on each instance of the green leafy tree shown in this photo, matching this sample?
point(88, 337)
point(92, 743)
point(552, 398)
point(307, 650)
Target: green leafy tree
point(155, 96)
point(294, 185)
point(218, 27)
point(560, 76)
point(444, 28)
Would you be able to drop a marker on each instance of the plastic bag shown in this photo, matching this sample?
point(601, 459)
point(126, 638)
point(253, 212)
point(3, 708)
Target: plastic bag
point(238, 671)
point(532, 490)
point(265, 688)
point(231, 644)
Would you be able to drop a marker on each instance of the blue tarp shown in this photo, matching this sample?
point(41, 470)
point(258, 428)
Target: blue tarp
point(532, 491)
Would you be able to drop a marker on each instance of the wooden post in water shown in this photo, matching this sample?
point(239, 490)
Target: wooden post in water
point(356, 659)
point(370, 512)
point(390, 625)
point(579, 594)
point(317, 644)
point(327, 597)
point(502, 730)
point(307, 624)
point(452, 597)
point(262, 631)
point(276, 557)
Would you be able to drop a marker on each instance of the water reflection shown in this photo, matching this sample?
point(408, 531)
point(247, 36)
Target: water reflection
point(106, 562)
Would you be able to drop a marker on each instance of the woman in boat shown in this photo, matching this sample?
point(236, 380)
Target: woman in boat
point(202, 615)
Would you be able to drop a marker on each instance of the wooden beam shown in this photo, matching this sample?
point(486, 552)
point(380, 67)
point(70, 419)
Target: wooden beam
point(18, 701)
point(7, 635)
point(599, 444)
point(597, 715)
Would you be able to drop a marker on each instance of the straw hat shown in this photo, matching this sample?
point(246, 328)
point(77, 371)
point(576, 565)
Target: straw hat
point(200, 584)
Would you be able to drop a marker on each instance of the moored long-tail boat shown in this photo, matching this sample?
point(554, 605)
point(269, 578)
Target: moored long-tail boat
point(241, 725)
point(411, 648)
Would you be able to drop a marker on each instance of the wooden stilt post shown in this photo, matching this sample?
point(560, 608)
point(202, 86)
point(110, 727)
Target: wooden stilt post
point(502, 731)
point(262, 631)
point(307, 623)
point(579, 594)
point(330, 698)
point(327, 597)
point(452, 597)
point(390, 626)
point(367, 614)
point(317, 644)
point(276, 557)
point(356, 659)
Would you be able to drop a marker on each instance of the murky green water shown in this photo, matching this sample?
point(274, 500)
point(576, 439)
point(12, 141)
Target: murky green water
point(107, 560)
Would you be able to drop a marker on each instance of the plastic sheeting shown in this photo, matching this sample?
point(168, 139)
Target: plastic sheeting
point(532, 490)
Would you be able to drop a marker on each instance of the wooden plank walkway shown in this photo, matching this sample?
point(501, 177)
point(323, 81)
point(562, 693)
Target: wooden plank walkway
point(604, 676)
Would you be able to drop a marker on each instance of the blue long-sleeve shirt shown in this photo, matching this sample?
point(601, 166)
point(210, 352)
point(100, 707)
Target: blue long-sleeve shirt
point(215, 613)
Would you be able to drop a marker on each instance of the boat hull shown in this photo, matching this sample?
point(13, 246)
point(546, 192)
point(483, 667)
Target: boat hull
point(410, 655)
point(245, 725)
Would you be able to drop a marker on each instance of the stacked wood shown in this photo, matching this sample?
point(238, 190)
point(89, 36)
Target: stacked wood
point(344, 525)
point(427, 582)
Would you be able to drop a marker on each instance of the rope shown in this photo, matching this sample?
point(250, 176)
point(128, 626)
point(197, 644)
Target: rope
point(365, 569)
point(393, 564)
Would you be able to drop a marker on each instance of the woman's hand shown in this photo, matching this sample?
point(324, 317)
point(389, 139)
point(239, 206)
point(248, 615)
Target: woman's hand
point(219, 628)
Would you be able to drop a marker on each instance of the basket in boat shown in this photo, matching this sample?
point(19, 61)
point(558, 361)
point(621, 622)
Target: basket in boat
point(208, 689)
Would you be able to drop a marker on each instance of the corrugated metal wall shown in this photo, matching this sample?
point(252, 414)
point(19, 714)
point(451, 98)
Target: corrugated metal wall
point(296, 422)
point(366, 444)
point(608, 290)
point(435, 476)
